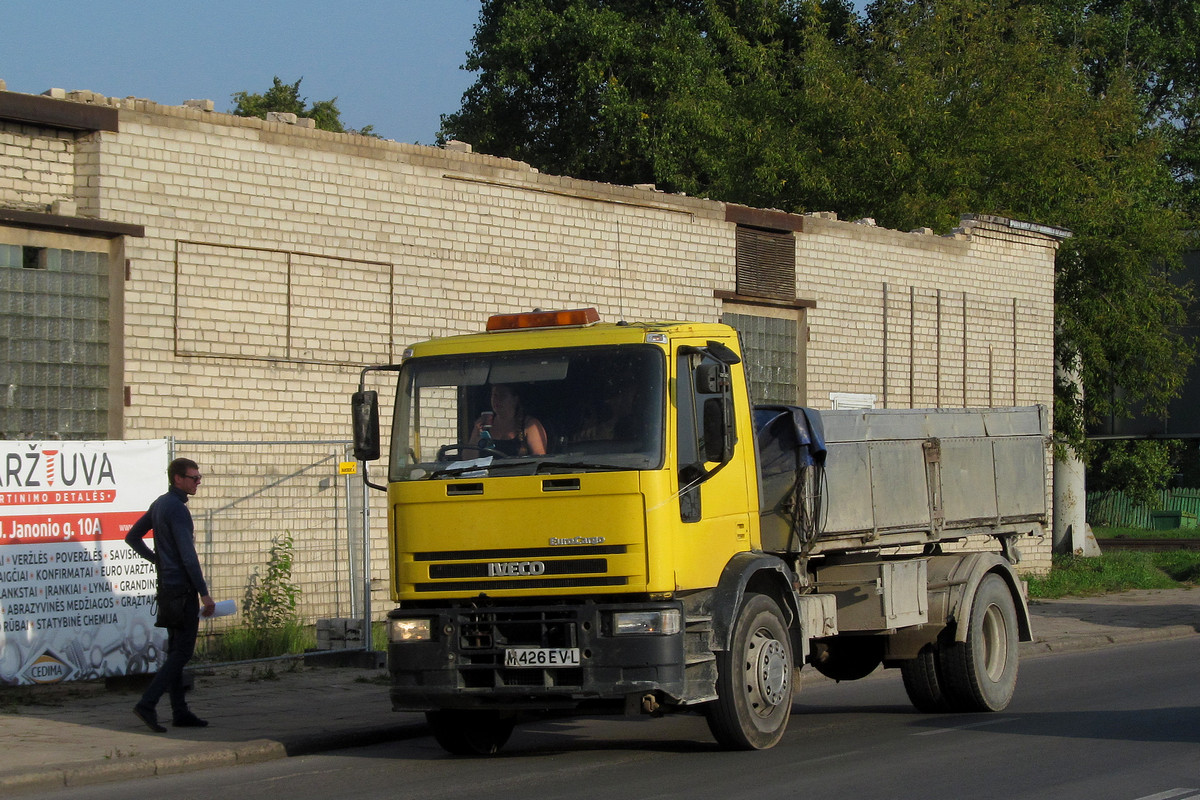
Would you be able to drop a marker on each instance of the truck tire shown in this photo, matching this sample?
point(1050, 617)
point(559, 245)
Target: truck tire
point(470, 733)
point(754, 679)
point(981, 673)
point(923, 683)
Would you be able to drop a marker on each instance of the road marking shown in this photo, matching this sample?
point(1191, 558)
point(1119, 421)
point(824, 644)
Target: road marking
point(995, 721)
point(1170, 793)
point(831, 757)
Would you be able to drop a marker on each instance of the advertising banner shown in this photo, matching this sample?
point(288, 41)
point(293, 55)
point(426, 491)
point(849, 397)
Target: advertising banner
point(76, 602)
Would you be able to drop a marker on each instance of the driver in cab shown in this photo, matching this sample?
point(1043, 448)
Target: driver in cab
point(506, 428)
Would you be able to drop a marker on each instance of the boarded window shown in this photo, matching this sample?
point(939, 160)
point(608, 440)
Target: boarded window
point(766, 263)
point(279, 305)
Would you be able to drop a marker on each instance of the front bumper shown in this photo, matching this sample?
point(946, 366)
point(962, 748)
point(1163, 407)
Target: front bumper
point(462, 665)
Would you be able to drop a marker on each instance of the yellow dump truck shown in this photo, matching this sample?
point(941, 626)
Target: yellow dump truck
point(624, 532)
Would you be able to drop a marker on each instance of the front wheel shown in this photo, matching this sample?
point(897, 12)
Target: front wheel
point(754, 679)
point(470, 733)
point(981, 673)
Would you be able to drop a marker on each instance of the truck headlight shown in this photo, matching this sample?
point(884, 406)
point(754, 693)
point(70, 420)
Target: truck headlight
point(409, 630)
point(664, 622)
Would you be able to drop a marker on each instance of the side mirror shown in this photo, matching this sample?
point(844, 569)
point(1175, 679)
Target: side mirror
point(718, 441)
point(712, 378)
point(365, 408)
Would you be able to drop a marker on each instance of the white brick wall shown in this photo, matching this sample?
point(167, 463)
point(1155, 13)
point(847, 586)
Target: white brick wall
point(279, 260)
point(37, 167)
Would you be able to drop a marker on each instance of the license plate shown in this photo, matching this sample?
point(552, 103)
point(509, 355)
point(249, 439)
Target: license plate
point(541, 657)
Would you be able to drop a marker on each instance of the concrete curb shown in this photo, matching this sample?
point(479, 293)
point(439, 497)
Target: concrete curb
point(1075, 643)
point(50, 777)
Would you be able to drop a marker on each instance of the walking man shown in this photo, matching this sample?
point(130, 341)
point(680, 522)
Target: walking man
point(181, 591)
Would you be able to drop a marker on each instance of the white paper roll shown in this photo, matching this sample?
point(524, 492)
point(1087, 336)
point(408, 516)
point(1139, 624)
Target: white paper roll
point(223, 609)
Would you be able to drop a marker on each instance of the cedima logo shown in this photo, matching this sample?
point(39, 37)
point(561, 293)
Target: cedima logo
point(48, 668)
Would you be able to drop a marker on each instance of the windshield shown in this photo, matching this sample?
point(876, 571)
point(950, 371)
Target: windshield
point(577, 410)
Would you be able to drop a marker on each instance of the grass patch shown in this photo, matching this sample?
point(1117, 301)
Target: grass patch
point(1117, 572)
point(242, 644)
point(1180, 565)
point(379, 636)
point(1141, 533)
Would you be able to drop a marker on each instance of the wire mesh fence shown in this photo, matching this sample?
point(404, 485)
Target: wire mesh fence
point(280, 530)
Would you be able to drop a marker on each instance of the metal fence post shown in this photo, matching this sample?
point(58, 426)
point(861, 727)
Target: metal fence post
point(366, 567)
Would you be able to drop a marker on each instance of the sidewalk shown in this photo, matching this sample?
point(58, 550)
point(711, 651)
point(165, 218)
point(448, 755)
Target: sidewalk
point(80, 734)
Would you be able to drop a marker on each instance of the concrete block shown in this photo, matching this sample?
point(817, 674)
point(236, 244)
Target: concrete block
point(339, 633)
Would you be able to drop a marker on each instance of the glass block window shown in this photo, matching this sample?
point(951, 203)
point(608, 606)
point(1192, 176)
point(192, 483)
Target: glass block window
point(54, 343)
point(772, 358)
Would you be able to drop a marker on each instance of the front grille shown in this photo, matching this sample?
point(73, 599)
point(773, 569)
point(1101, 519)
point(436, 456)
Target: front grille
point(484, 635)
point(522, 583)
point(482, 570)
point(487, 570)
point(523, 552)
point(487, 628)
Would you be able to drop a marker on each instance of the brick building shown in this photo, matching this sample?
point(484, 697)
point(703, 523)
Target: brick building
point(171, 271)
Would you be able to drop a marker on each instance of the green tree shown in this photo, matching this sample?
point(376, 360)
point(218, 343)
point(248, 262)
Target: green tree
point(1152, 44)
point(285, 98)
point(913, 114)
point(1137, 468)
point(692, 95)
point(998, 118)
point(591, 90)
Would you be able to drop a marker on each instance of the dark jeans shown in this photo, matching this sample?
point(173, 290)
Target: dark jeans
point(181, 643)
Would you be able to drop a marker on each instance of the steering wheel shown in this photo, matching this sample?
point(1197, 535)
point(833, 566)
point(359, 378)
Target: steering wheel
point(459, 448)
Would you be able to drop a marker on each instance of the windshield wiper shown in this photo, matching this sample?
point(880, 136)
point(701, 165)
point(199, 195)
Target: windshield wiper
point(450, 471)
point(534, 467)
point(580, 465)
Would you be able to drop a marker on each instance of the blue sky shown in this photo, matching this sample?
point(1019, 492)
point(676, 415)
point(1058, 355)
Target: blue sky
point(394, 65)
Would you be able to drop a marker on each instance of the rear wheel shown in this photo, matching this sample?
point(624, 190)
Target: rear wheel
point(470, 733)
point(754, 679)
point(923, 682)
point(981, 673)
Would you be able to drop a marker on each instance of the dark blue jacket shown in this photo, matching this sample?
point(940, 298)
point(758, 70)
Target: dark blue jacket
point(174, 541)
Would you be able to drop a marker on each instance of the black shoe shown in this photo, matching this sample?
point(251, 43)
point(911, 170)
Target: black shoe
point(149, 717)
point(189, 720)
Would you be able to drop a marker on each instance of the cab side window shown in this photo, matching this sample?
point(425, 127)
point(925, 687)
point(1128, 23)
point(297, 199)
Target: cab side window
point(705, 430)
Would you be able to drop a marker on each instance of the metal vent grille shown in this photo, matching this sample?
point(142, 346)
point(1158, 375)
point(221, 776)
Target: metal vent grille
point(766, 263)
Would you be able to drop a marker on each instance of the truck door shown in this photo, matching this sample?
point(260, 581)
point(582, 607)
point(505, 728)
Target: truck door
point(712, 488)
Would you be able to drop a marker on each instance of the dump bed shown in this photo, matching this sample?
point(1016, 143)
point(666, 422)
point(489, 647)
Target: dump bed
point(844, 480)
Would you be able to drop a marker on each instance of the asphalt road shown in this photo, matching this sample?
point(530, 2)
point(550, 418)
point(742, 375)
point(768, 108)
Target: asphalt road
point(1120, 723)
